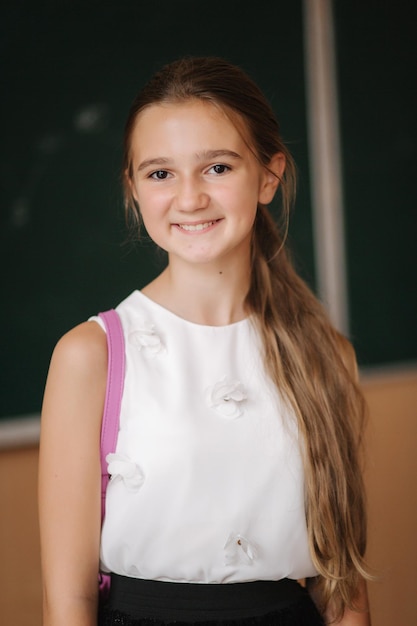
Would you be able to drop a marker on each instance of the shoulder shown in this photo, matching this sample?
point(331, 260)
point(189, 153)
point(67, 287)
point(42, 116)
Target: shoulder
point(79, 364)
point(84, 347)
point(76, 386)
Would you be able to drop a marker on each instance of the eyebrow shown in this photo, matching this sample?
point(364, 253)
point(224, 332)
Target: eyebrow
point(206, 155)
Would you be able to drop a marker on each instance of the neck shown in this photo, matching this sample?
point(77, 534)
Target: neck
point(209, 294)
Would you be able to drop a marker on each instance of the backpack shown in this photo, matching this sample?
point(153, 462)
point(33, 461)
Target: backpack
point(111, 412)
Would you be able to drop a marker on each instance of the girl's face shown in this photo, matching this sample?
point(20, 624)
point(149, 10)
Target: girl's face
point(196, 182)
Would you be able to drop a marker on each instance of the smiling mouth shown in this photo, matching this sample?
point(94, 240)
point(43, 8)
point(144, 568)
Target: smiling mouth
point(196, 227)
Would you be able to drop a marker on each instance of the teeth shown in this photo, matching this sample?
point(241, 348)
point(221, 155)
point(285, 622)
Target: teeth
point(195, 226)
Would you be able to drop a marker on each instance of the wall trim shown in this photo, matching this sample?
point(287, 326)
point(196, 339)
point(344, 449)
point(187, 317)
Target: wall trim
point(20, 431)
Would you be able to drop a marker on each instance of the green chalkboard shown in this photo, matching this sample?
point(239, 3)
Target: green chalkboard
point(70, 70)
point(377, 69)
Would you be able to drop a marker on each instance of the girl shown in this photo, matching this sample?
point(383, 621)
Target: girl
point(237, 473)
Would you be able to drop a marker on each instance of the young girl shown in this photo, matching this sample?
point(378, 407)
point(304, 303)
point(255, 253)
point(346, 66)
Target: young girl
point(236, 475)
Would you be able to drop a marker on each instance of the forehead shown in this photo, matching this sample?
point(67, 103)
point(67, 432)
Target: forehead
point(171, 123)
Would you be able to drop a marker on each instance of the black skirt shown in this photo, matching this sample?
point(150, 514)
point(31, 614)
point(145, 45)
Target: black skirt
point(135, 602)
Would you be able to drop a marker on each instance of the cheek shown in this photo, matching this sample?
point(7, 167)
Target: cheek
point(152, 208)
point(146, 202)
point(151, 219)
point(152, 198)
point(245, 202)
point(155, 229)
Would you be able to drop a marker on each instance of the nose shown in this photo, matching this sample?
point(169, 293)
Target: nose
point(191, 195)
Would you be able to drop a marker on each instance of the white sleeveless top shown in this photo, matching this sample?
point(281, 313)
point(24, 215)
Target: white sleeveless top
point(207, 479)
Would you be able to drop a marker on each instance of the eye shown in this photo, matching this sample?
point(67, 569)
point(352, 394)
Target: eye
point(159, 175)
point(219, 168)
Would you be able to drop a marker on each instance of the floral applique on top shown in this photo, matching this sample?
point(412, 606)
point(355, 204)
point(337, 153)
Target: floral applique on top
point(226, 397)
point(145, 338)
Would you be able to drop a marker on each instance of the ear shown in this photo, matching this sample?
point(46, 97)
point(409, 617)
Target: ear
point(272, 176)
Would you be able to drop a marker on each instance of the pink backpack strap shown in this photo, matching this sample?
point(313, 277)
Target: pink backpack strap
point(114, 392)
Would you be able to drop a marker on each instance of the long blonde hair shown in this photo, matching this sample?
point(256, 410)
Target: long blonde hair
point(312, 365)
point(314, 368)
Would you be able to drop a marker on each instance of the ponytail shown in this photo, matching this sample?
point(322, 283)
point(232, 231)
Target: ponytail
point(314, 368)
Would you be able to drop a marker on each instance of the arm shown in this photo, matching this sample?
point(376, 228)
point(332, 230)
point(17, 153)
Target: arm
point(360, 617)
point(69, 477)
